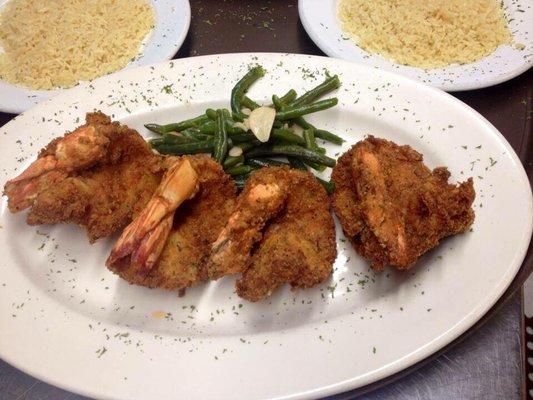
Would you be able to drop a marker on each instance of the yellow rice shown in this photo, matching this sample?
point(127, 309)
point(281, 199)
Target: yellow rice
point(426, 33)
point(57, 43)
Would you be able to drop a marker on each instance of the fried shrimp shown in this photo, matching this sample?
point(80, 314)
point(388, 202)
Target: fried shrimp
point(98, 176)
point(167, 245)
point(394, 208)
point(281, 232)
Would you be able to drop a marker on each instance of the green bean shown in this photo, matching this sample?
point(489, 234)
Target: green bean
point(240, 180)
point(231, 161)
point(278, 103)
point(195, 134)
point(200, 136)
point(160, 129)
point(240, 89)
point(281, 102)
point(297, 163)
point(281, 105)
point(309, 136)
point(328, 136)
point(310, 143)
point(233, 129)
point(177, 127)
point(187, 148)
point(212, 114)
point(282, 143)
point(328, 185)
point(327, 86)
point(221, 138)
point(210, 128)
point(188, 133)
point(249, 103)
point(288, 97)
point(240, 170)
point(169, 138)
point(320, 150)
point(264, 162)
point(291, 150)
point(295, 112)
point(243, 137)
point(287, 135)
point(302, 123)
point(319, 133)
point(156, 142)
point(249, 145)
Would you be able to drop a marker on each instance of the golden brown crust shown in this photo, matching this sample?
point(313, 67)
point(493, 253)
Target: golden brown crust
point(344, 197)
point(197, 222)
point(298, 246)
point(261, 199)
point(105, 196)
point(392, 207)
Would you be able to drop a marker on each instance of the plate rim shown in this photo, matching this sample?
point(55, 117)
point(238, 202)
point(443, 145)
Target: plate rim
point(6, 106)
point(447, 339)
point(448, 87)
point(183, 34)
point(525, 270)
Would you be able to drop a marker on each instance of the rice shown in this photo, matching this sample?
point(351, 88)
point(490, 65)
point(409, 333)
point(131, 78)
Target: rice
point(57, 43)
point(426, 33)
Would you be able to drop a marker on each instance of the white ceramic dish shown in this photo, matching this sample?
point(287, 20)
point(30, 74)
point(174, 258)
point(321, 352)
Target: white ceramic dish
point(67, 320)
point(173, 18)
point(319, 18)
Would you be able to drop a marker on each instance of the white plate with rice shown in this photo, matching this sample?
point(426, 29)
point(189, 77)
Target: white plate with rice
point(62, 310)
point(123, 34)
point(324, 22)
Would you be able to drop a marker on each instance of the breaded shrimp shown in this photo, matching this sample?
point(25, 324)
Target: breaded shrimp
point(198, 198)
point(392, 207)
point(281, 232)
point(97, 176)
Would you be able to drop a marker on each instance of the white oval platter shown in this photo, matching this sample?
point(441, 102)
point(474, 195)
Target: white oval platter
point(68, 321)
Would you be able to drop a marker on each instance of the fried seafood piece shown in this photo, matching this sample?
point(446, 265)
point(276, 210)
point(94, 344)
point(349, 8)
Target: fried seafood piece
point(281, 232)
point(394, 208)
point(97, 176)
point(167, 245)
point(260, 201)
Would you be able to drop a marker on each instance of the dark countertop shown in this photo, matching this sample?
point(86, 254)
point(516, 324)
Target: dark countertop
point(487, 363)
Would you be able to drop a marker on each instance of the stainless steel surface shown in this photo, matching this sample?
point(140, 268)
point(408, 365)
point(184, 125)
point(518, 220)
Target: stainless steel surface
point(527, 338)
point(484, 366)
point(528, 297)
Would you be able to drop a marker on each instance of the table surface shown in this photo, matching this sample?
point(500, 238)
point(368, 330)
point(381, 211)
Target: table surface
point(486, 364)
